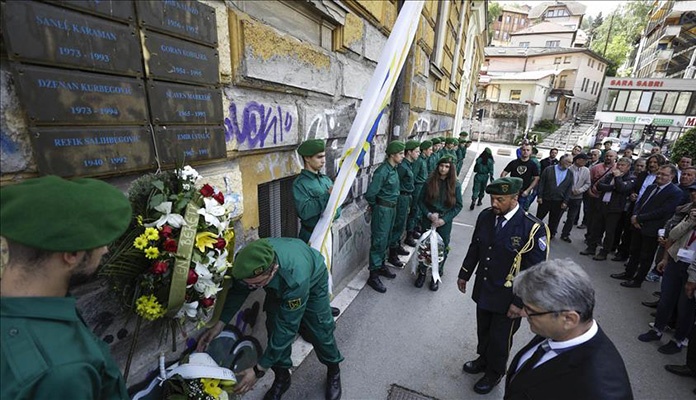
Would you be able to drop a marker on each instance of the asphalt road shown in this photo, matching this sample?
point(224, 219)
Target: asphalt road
point(419, 339)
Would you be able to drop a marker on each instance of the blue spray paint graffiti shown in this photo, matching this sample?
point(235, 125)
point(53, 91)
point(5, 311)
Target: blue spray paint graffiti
point(257, 122)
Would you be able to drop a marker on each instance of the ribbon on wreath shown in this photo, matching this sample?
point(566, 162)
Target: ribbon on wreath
point(187, 239)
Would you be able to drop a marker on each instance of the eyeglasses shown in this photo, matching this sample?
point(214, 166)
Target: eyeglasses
point(530, 314)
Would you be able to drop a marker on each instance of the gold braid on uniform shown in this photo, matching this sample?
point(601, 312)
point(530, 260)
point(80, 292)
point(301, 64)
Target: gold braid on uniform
point(517, 263)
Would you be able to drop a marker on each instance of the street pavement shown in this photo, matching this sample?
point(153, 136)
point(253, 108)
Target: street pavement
point(419, 339)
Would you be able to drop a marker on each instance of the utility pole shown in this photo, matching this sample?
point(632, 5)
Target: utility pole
point(606, 42)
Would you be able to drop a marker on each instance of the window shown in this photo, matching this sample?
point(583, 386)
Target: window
point(515, 94)
point(562, 82)
point(505, 35)
point(566, 60)
point(645, 100)
point(497, 34)
point(592, 65)
point(621, 100)
point(507, 18)
point(500, 18)
point(682, 103)
point(584, 81)
point(524, 44)
point(594, 86)
point(556, 60)
point(440, 35)
point(277, 215)
point(633, 100)
point(610, 100)
point(588, 61)
point(670, 102)
point(553, 43)
point(658, 102)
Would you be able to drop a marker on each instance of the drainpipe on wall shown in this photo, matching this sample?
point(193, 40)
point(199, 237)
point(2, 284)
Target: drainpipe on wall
point(397, 102)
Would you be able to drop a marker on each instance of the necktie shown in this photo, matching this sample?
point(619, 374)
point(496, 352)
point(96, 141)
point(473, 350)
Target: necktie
point(542, 349)
point(653, 191)
point(499, 223)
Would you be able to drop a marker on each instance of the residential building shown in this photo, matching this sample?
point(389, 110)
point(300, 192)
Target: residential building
point(566, 13)
point(544, 34)
point(512, 19)
point(668, 46)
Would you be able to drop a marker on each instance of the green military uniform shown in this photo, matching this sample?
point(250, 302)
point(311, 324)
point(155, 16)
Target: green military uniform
point(382, 195)
point(420, 176)
point(461, 154)
point(297, 293)
point(403, 204)
point(49, 353)
point(311, 193)
point(434, 158)
point(484, 172)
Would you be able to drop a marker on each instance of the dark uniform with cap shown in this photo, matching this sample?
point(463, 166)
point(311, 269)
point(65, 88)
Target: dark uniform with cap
point(382, 195)
point(310, 191)
point(461, 150)
point(47, 350)
point(420, 176)
point(403, 204)
point(434, 158)
point(297, 294)
point(495, 246)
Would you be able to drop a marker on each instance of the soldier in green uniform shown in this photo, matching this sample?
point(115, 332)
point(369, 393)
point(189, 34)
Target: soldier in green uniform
point(57, 232)
point(295, 279)
point(483, 168)
point(420, 175)
point(403, 204)
point(439, 203)
point(450, 149)
point(382, 195)
point(461, 151)
point(311, 190)
point(433, 159)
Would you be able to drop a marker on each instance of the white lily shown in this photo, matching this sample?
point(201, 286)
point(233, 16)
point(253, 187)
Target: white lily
point(174, 220)
point(211, 212)
point(188, 309)
point(220, 264)
point(205, 284)
point(188, 173)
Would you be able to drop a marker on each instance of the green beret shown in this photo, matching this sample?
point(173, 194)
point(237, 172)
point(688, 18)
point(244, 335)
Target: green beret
point(55, 214)
point(395, 147)
point(412, 144)
point(507, 185)
point(253, 260)
point(426, 144)
point(310, 147)
point(435, 140)
point(463, 134)
point(446, 159)
point(450, 140)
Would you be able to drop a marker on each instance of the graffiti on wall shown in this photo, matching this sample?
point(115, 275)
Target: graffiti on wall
point(259, 125)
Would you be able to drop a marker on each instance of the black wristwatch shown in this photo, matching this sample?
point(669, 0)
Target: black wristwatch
point(258, 372)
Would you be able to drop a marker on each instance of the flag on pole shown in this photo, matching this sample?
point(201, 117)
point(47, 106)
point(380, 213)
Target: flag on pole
point(367, 120)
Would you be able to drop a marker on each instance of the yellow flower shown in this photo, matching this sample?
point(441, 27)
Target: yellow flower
point(205, 239)
point(210, 386)
point(140, 242)
point(151, 234)
point(148, 308)
point(152, 253)
point(228, 235)
point(139, 218)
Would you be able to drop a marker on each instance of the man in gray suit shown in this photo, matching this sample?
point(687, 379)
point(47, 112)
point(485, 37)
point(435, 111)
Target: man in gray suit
point(555, 185)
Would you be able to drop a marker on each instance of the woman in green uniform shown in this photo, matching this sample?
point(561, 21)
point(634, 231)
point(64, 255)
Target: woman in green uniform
point(484, 171)
point(440, 202)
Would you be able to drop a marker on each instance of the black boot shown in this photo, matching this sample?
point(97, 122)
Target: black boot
point(416, 233)
point(411, 239)
point(434, 285)
point(479, 202)
point(281, 384)
point(386, 272)
point(394, 258)
point(473, 204)
point(420, 280)
point(375, 283)
point(401, 251)
point(333, 383)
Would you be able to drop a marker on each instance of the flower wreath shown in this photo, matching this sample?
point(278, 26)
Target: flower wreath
point(172, 261)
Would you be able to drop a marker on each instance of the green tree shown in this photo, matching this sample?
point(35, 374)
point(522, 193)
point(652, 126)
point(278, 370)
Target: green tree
point(494, 11)
point(684, 146)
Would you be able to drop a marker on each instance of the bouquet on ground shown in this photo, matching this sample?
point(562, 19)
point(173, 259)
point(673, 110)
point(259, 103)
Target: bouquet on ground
point(431, 252)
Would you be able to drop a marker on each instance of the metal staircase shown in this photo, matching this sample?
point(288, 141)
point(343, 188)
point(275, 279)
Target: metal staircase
point(568, 135)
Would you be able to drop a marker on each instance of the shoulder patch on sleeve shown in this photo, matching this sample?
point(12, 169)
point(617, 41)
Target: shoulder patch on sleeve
point(294, 304)
point(542, 243)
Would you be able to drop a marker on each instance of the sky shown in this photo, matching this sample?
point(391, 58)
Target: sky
point(593, 7)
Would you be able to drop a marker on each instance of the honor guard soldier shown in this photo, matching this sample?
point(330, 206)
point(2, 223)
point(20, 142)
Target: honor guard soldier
point(405, 201)
point(506, 240)
point(434, 158)
point(461, 150)
point(57, 232)
point(295, 279)
point(420, 175)
point(311, 190)
point(450, 148)
point(382, 195)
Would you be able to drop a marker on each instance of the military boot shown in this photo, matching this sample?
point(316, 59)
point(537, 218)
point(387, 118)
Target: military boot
point(473, 205)
point(333, 382)
point(394, 258)
point(420, 280)
point(480, 202)
point(401, 251)
point(434, 285)
point(411, 239)
point(281, 384)
point(375, 283)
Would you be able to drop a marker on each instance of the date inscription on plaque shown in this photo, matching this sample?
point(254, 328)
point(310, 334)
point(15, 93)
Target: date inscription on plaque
point(173, 103)
point(182, 144)
point(178, 60)
point(184, 18)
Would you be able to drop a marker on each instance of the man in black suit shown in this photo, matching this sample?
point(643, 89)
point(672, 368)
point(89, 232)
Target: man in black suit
point(506, 240)
point(651, 212)
point(571, 357)
point(551, 160)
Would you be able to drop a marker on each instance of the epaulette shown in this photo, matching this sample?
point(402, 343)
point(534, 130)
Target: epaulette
point(533, 218)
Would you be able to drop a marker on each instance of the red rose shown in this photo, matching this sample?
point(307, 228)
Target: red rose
point(220, 244)
point(170, 245)
point(207, 302)
point(166, 231)
point(207, 190)
point(219, 197)
point(192, 277)
point(159, 267)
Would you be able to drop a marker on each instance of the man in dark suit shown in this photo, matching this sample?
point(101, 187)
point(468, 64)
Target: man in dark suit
point(651, 212)
point(506, 240)
point(571, 357)
point(554, 191)
point(551, 160)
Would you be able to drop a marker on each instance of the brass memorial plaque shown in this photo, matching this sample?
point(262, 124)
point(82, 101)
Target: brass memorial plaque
point(42, 33)
point(57, 96)
point(184, 104)
point(91, 151)
point(187, 19)
point(116, 9)
point(183, 144)
point(178, 60)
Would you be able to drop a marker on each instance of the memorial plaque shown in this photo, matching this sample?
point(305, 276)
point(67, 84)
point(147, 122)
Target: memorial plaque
point(91, 151)
point(173, 103)
point(118, 9)
point(46, 34)
point(179, 60)
point(182, 144)
point(57, 96)
point(187, 19)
